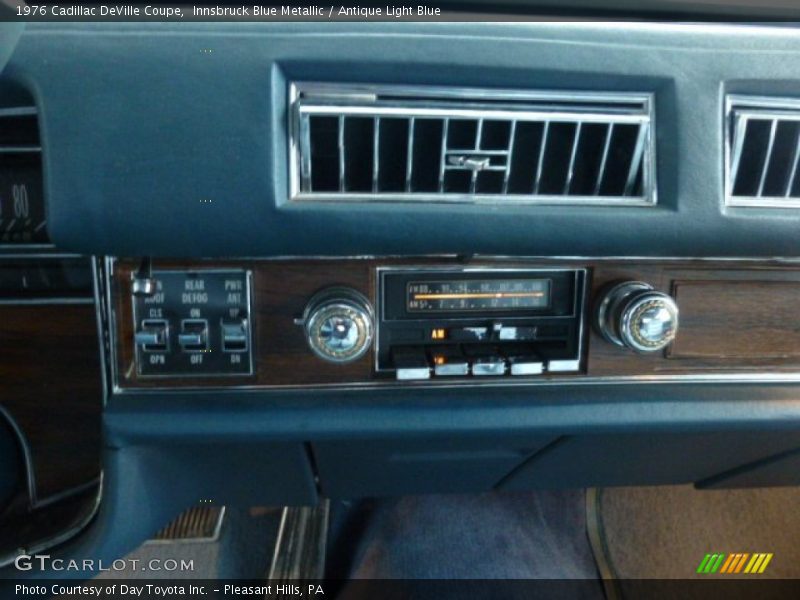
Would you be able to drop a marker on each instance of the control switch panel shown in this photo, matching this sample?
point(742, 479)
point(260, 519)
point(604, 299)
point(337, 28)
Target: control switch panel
point(194, 324)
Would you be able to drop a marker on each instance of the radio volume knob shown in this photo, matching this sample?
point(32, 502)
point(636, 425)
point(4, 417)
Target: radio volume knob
point(634, 315)
point(339, 324)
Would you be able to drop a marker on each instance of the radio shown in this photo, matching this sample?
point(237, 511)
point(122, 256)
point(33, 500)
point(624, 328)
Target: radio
point(479, 322)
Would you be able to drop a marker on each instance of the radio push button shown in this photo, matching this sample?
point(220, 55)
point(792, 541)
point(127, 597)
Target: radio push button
point(488, 365)
point(410, 364)
point(563, 366)
point(449, 363)
point(520, 334)
point(525, 365)
point(485, 360)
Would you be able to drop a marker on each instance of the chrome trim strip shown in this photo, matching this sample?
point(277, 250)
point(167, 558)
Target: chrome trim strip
point(509, 153)
point(766, 260)
point(573, 154)
point(305, 167)
point(410, 153)
point(488, 199)
point(741, 131)
point(22, 253)
point(601, 172)
point(20, 149)
point(45, 301)
point(111, 324)
point(30, 247)
point(767, 114)
point(763, 202)
point(478, 139)
point(68, 493)
point(573, 380)
point(443, 154)
point(470, 113)
point(376, 143)
point(18, 111)
point(299, 135)
point(622, 101)
point(793, 174)
point(64, 536)
point(773, 128)
point(636, 161)
point(27, 455)
point(342, 164)
point(540, 161)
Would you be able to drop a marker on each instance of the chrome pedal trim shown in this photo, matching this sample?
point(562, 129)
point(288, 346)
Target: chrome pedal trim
point(196, 524)
point(301, 544)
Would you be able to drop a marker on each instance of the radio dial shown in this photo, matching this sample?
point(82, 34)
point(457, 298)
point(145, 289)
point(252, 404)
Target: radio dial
point(636, 316)
point(339, 325)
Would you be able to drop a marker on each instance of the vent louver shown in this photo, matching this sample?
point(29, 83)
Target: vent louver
point(762, 148)
point(430, 144)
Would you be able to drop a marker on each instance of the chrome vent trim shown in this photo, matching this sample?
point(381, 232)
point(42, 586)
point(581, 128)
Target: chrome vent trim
point(350, 143)
point(762, 152)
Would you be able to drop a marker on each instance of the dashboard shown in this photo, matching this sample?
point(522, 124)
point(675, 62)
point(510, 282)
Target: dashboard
point(357, 260)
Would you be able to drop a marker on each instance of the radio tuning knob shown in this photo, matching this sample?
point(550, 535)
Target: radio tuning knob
point(338, 324)
point(634, 315)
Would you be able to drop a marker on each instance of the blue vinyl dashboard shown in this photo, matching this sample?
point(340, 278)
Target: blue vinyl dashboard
point(171, 142)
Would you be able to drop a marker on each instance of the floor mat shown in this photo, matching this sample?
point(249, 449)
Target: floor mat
point(538, 535)
point(666, 532)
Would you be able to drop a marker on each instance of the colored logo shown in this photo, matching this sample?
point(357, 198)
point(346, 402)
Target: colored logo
point(730, 564)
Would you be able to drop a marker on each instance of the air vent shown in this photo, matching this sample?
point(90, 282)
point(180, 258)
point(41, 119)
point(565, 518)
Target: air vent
point(445, 145)
point(762, 148)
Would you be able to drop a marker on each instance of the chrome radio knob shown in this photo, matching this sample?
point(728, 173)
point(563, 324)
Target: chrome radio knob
point(634, 315)
point(339, 325)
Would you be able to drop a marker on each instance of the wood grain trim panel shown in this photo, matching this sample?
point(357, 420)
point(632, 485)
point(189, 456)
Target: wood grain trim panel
point(737, 320)
point(282, 288)
point(51, 382)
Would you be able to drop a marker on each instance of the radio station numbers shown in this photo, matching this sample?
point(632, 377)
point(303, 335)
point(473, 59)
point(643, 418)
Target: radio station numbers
point(478, 294)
